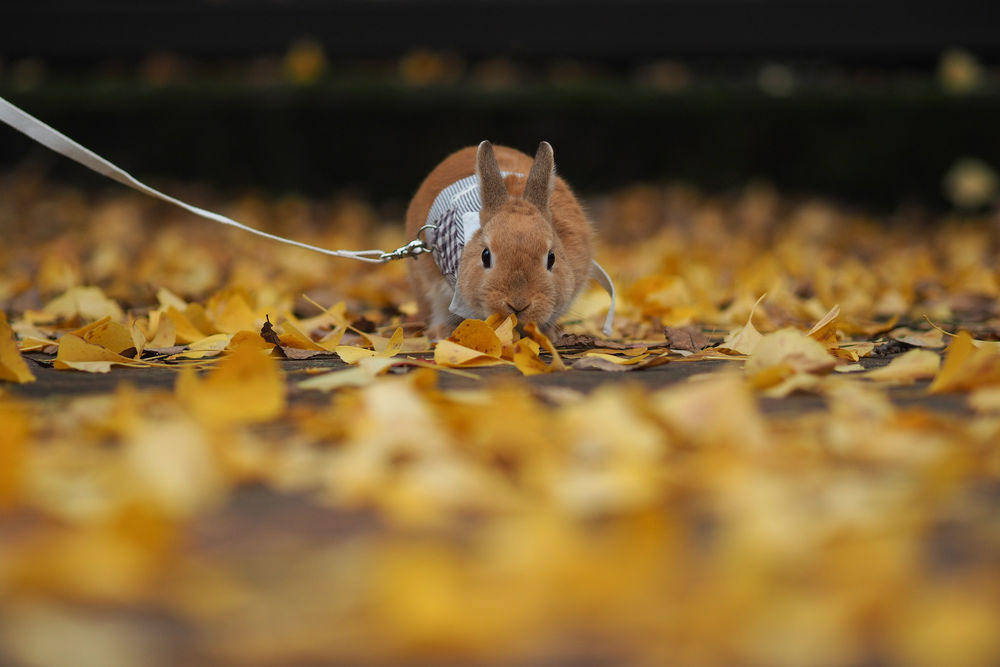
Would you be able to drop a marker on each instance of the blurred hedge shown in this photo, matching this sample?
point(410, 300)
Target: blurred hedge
point(879, 146)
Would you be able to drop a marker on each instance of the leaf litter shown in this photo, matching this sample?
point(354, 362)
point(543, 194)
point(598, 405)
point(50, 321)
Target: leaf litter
point(504, 522)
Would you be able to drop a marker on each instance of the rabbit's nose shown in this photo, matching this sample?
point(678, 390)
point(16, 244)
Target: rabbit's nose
point(516, 310)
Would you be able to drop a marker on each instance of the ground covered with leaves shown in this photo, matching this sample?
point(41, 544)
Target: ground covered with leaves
point(309, 480)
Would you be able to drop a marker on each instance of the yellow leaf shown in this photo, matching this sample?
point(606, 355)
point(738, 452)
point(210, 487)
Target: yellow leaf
point(363, 373)
point(236, 315)
point(986, 399)
point(745, 339)
point(77, 354)
point(966, 367)
point(388, 347)
point(13, 441)
point(913, 365)
point(527, 360)
point(448, 353)
point(621, 361)
point(330, 341)
point(792, 347)
point(825, 331)
point(168, 299)
point(209, 346)
point(184, 330)
point(87, 303)
point(160, 331)
point(109, 335)
point(246, 386)
point(12, 365)
point(477, 335)
point(292, 336)
point(543, 341)
point(351, 354)
point(138, 338)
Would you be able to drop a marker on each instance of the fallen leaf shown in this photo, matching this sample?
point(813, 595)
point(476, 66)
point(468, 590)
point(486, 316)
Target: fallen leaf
point(689, 338)
point(985, 399)
point(364, 372)
point(910, 366)
point(792, 348)
point(13, 368)
point(966, 367)
point(77, 354)
point(451, 354)
point(87, 303)
point(479, 336)
point(108, 334)
point(184, 330)
point(292, 336)
point(246, 386)
point(605, 362)
point(233, 313)
point(825, 331)
point(745, 339)
point(787, 361)
point(268, 333)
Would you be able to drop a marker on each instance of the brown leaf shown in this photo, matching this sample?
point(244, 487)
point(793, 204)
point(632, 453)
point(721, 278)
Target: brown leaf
point(268, 333)
point(689, 338)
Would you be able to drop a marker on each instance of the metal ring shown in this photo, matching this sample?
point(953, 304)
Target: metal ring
point(421, 230)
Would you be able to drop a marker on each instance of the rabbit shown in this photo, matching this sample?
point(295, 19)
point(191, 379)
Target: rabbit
point(527, 242)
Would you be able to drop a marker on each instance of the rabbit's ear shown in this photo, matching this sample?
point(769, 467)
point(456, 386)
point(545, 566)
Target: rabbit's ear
point(542, 178)
point(492, 190)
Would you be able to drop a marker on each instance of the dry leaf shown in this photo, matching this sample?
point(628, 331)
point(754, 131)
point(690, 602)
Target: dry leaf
point(246, 386)
point(687, 338)
point(479, 336)
point(87, 303)
point(745, 339)
point(966, 367)
point(909, 366)
point(13, 368)
point(451, 354)
point(77, 354)
point(364, 372)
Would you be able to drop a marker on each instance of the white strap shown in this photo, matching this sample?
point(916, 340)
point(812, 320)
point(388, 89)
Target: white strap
point(60, 143)
point(604, 280)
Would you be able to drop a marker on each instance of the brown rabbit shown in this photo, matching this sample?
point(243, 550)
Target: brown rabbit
point(508, 236)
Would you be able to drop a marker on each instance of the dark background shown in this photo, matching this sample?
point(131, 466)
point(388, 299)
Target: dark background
point(850, 100)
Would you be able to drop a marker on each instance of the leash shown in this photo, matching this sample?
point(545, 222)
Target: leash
point(55, 140)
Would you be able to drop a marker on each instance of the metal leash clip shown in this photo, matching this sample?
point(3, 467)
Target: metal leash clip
point(415, 247)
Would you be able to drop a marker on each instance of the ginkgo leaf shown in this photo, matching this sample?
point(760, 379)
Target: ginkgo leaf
point(87, 303)
point(825, 331)
point(209, 346)
point(966, 366)
point(365, 370)
point(745, 339)
point(235, 314)
point(108, 334)
point(543, 341)
point(382, 348)
point(184, 330)
point(448, 353)
point(911, 365)
point(292, 336)
point(77, 354)
point(246, 386)
point(793, 349)
point(478, 335)
point(13, 368)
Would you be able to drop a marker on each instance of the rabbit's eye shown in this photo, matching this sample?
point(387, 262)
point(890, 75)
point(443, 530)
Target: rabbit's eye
point(487, 258)
point(550, 261)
